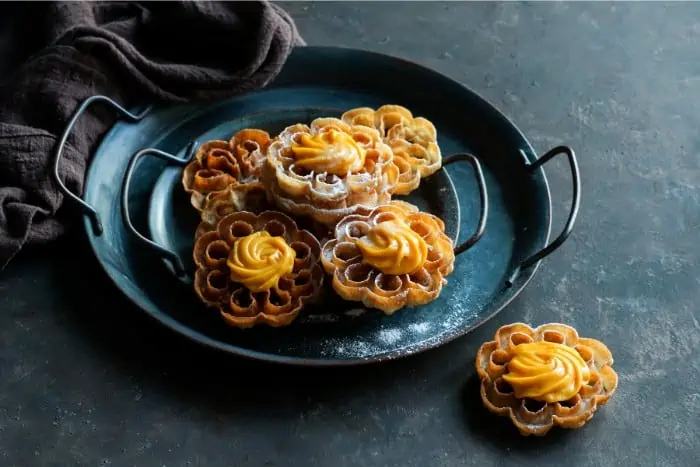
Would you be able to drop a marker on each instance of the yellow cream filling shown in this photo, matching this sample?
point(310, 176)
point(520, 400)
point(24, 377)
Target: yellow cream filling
point(259, 260)
point(334, 152)
point(546, 371)
point(393, 248)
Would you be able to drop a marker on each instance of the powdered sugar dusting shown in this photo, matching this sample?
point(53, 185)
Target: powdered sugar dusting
point(419, 328)
point(390, 336)
point(364, 334)
point(354, 349)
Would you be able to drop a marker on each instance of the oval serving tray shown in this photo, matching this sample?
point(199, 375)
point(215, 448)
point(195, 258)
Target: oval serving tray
point(486, 278)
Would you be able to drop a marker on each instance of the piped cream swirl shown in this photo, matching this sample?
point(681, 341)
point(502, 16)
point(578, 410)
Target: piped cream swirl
point(546, 371)
point(333, 152)
point(259, 261)
point(393, 248)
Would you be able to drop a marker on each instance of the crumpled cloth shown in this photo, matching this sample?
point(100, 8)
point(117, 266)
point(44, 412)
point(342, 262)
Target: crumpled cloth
point(136, 53)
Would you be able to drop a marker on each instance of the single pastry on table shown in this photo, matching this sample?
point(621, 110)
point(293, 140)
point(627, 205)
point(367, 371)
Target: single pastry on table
point(413, 141)
point(544, 377)
point(219, 164)
point(257, 269)
point(395, 256)
point(328, 170)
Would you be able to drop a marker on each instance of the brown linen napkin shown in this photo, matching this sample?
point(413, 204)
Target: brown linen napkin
point(134, 52)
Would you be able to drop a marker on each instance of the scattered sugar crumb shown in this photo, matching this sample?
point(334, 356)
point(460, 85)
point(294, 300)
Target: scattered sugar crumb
point(420, 328)
point(389, 336)
point(359, 349)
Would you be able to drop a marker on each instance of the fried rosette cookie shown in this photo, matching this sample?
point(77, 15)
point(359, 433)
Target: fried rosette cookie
point(545, 376)
point(248, 197)
point(257, 269)
point(394, 257)
point(329, 170)
point(413, 141)
point(219, 164)
point(239, 197)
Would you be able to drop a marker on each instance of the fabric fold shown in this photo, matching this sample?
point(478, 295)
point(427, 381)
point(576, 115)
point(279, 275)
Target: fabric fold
point(136, 53)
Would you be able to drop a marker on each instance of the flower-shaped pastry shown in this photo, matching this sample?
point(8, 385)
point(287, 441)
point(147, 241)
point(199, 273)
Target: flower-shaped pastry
point(412, 139)
point(329, 170)
point(257, 269)
point(394, 257)
point(248, 197)
point(544, 377)
point(220, 164)
point(238, 197)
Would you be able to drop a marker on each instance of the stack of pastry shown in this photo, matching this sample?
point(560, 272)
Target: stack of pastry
point(329, 170)
point(280, 213)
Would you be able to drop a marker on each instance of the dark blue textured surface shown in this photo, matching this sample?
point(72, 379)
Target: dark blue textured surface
point(88, 379)
point(333, 332)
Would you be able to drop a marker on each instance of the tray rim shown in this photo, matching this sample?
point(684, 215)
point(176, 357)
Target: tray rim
point(528, 153)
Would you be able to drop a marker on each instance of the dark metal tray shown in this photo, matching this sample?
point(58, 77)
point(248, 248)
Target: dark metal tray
point(326, 81)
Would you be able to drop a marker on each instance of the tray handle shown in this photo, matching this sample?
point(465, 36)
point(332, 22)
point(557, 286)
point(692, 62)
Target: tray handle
point(88, 210)
point(483, 197)
point(573, 213)
point(171, 256)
